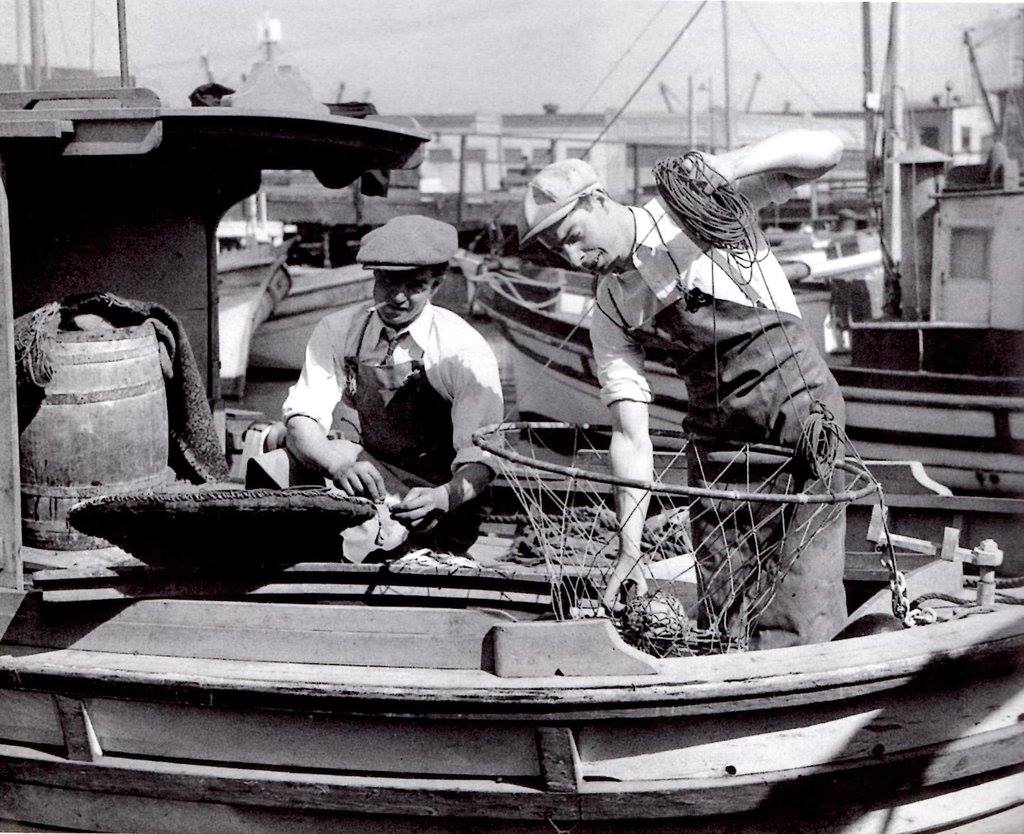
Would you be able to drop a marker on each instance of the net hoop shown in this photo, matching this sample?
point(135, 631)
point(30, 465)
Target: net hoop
point(488, 439)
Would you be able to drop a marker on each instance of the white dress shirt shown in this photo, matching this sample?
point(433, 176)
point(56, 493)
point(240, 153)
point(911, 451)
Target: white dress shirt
point(458, 362)
point(668, 265)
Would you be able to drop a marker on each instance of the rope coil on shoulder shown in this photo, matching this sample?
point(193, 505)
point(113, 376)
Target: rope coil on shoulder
point(710, 208)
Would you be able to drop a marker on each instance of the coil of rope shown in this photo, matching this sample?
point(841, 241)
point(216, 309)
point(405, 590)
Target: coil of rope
point(712, 211)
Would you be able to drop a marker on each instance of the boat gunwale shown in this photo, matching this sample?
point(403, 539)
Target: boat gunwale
point(803, 674)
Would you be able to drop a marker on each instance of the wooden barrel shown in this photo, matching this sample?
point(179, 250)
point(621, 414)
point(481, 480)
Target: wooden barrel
point(101, 428)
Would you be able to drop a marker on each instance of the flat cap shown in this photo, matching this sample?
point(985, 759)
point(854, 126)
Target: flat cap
point(408, 242)
point(553, 193)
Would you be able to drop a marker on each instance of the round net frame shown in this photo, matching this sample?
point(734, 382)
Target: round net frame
point(724, 525)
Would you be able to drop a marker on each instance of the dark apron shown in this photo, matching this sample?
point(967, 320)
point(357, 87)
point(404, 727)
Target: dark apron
point(407, 425)
point(752, 375)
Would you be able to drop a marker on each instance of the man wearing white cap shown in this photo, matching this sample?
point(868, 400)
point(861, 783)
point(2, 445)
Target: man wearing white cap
point(735, 334)
point(414, 380)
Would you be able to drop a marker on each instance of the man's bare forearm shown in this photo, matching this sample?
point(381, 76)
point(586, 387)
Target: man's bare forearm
point(308, 443)
point(467, 483)
point(801, 154)
point(631, 457)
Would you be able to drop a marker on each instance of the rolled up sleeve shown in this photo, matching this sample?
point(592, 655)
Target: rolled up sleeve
point(473, 379)
point(619, 361)
point(318, 389)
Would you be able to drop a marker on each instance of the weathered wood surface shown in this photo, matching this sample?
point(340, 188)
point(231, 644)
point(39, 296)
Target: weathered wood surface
point(820, 796)
point(943, 655)
point(574, 648)
point(989, 809)
point(285, 633)
point(10, 482)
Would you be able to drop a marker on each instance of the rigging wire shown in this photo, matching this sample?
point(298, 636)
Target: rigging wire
point(646, 78)
point(771, 51)
point(622, 57)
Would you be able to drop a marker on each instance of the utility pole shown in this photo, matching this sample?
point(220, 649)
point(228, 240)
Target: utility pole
point(725, 62)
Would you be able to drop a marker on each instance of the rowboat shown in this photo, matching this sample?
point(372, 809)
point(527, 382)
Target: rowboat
point(280, 342)
point(457, 709)
point(269, 687)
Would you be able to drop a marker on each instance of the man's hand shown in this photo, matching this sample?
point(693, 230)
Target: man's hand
point(422, 507)
point(723, 166)
point(361, 478)
point(628, 570)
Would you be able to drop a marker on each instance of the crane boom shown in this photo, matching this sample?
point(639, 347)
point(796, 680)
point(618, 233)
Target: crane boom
point(976, 71)
point(750, 95)
point(667, 95)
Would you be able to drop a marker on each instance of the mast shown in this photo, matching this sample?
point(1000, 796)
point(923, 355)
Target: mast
point(976, 72)
point(894, 143)
point(869, 86)
point(122, 42)
point(92, 36)
point(725, 68)
point(19, 45)
point(35, 28)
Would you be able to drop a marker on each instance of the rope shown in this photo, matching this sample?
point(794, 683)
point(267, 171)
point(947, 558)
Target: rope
point(1005, 599)
point(820, 443)
point(646, 78)
point(707, 204)
point(1001, 581)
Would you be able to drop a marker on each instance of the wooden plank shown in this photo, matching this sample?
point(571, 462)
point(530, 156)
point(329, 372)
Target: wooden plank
point(79, 739)
point(316, 741)
point(559, 762)
point(895, 781)
point(30, 718)
point(846, 731)
point(10, 476)
point(565, 649)
point(36, 129)
point(992, 807)
point(286, 633)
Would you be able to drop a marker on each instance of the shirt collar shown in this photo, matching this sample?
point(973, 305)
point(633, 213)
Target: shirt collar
point(654, 228)
point(418, 329)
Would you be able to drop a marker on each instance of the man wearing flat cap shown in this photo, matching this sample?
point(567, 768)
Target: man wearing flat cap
point(414, 380)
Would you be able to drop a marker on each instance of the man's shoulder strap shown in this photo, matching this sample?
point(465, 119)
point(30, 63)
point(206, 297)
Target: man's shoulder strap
point(724, 262)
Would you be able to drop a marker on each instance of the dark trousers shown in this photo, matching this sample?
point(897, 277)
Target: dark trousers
point(768, 571)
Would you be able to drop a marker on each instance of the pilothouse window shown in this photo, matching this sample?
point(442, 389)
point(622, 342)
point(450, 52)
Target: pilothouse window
point(969, 254)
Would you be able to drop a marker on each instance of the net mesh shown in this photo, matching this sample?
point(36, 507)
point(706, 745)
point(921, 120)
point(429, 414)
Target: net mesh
point(723, 527)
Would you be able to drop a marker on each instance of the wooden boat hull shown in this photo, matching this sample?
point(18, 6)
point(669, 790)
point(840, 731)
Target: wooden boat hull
point(199, 715)
point(251, 284)
point(971, 442)
point(280, 342)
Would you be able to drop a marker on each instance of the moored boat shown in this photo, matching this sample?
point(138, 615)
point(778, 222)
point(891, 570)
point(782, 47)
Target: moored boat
point(254, 690)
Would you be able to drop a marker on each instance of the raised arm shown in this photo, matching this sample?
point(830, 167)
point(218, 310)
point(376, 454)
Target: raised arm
point(799, 155)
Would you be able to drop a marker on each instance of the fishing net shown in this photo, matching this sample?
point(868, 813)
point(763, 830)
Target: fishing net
point(724, 525)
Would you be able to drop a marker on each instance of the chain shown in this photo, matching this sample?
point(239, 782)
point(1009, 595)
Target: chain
point(901, 606)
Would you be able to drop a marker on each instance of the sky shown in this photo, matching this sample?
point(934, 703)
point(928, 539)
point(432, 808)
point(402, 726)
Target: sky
point(459, 56)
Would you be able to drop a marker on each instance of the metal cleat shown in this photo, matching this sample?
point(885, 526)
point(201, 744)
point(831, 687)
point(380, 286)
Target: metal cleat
point(987, 556)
